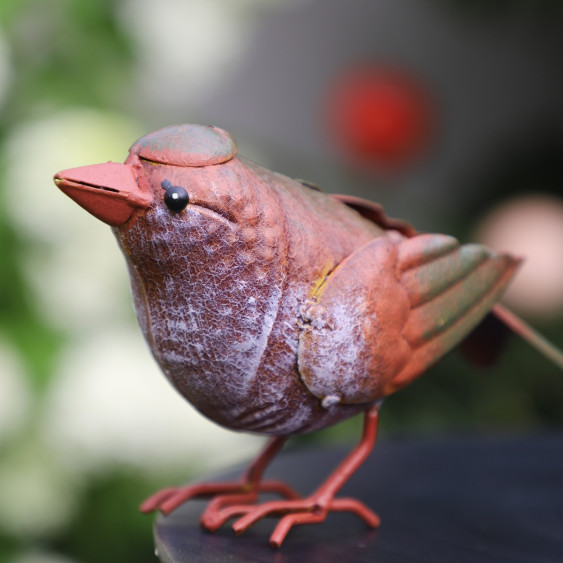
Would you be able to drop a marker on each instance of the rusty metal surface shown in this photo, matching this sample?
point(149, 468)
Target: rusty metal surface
point(271, 306)
point(275, 308)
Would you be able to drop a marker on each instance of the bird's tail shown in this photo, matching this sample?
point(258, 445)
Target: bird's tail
point(530, 335)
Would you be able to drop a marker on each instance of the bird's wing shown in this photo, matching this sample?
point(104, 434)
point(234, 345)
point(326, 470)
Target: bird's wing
point(350, 343)
point(375, 213)
point(451, 288)
point(484, 345)
point(393, 308)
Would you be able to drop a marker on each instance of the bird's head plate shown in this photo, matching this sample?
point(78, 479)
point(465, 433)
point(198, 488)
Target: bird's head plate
point(186, 145)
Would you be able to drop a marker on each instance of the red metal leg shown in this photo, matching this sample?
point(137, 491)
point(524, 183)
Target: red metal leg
point(314, 509)
point(238, 499)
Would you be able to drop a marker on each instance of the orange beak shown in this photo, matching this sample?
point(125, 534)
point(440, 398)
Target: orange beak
point(108, 191)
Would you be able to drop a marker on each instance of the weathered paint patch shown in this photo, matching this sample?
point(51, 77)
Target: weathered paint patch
point(351, 344)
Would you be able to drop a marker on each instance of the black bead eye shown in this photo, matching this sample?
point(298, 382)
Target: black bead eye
point(176, 198)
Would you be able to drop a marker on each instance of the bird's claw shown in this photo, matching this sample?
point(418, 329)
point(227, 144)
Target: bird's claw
point(238, 499)
point(294, 512)
point(224, 494)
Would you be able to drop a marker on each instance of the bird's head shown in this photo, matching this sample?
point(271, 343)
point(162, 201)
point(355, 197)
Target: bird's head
point(179, 184)
point(168, 169)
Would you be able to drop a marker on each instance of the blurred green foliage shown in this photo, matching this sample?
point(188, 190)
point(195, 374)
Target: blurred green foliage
point(63, 53)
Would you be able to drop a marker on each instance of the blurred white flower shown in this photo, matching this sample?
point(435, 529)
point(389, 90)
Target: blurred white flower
point(109, 404)
point(530, 227)
point(37, 498)
point(186, 47)
point(74, 266)
point(15, 396)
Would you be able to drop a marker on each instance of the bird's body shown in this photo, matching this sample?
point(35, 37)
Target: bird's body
point(270, 306)
point(219, 294)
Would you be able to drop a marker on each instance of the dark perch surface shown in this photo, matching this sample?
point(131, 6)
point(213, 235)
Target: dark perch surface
point(462, 500)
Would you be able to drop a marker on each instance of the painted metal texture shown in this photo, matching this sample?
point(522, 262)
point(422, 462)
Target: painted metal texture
point(275, 308)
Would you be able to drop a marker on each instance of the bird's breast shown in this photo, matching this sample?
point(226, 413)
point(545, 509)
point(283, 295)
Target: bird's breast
point(207, 296)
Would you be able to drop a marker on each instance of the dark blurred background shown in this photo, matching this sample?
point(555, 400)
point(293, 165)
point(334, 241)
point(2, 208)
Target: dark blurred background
point(449, 112)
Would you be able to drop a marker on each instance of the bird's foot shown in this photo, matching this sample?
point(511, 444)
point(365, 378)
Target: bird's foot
point(244, 491)
point(310, 510)
point(239, 499)
point(225, 495)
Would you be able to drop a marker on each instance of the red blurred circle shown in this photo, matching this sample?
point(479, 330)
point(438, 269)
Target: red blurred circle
point(378, 116)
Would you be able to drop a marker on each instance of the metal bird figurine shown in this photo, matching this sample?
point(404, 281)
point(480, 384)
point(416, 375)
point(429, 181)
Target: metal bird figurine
point(275, 308)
